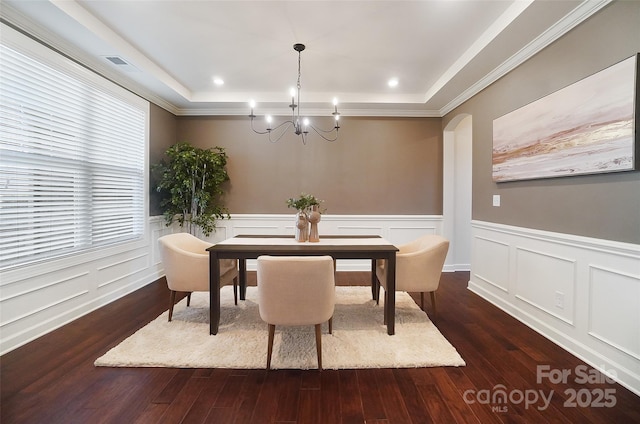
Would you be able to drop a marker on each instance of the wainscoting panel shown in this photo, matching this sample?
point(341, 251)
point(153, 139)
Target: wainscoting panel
point(250, 229)
point(581, 293)
point(546, 282)
point(39, 298)
point(404, 235)
point(492, 262)
point(614, 302)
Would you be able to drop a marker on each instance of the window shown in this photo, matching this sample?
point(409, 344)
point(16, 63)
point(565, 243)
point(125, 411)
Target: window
point(72, 158)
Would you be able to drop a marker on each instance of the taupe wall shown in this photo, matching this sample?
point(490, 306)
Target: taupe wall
point(601, 206)
point(377, 166)
point(162, 134)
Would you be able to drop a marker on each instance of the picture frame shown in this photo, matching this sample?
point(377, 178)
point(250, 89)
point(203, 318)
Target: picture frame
point(588, 127)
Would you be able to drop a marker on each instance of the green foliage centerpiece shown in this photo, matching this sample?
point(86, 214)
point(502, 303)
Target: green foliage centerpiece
point(307, 217)
point(190, 182)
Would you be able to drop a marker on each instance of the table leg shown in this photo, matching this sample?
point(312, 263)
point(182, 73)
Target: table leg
point(374, 281)
point(390, 294)
point(214, 292)
point(242, 274)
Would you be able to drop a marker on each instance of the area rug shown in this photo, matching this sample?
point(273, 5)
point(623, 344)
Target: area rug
point(359, 338)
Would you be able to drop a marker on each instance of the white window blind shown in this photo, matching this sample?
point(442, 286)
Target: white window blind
point(72, 163)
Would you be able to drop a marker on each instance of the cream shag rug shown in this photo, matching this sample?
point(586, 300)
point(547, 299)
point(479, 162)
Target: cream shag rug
point(359, 338)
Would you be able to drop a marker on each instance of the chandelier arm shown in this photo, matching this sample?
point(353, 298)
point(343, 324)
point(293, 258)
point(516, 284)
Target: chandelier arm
point(320, 130)
point(320, 133)
point(282, 133)
point(272, 129)
point(256, 131)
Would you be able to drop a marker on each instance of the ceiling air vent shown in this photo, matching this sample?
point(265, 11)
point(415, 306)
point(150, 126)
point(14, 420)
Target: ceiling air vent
point(116, 60)
point(121, 64)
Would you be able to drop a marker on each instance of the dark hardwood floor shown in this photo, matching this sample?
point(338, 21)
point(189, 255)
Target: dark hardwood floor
point(53, 380)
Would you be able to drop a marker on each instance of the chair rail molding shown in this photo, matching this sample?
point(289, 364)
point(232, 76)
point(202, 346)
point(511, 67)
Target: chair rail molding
point(581, 293)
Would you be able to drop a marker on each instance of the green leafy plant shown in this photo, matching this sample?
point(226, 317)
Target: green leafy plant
point(190, 182)
point(304, 202)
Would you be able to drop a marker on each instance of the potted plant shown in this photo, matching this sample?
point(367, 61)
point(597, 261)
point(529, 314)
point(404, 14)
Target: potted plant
point(307, 217)
point(190, 182)
point(303, 203)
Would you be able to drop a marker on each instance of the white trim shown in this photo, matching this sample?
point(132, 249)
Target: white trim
point(37, 299)
point(563, 26)
point(494, 30)
point(601, 329)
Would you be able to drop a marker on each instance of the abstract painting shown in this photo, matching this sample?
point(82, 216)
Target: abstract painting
point(586, 128)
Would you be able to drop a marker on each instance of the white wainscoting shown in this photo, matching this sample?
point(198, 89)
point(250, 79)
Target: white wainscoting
point(39, 298)
point(398, 229)
point(581, 293)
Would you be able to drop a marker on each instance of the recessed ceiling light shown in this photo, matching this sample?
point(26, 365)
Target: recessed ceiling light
point(218, 81)
point(393, 82)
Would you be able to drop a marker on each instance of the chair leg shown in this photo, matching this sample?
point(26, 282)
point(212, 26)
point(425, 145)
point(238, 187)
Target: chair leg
point(422, 300)
point(433, 304)
point(376, 296)
point(189, 298)
point(172, 301)
point(272, 331)
point(331, 325)
point(319, 345)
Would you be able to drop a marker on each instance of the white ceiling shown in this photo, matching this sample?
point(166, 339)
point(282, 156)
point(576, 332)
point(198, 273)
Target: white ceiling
point(441, 51)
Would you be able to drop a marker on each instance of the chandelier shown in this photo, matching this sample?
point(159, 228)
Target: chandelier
point(300, 126)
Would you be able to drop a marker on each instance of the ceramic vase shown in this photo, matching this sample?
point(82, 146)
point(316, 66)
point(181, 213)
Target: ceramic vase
point(302, 227)
point(314, 218)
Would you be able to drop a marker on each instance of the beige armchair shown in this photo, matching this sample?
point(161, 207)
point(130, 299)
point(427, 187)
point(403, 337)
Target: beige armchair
point(186, 264)
point(418, 268)
point(296, 291)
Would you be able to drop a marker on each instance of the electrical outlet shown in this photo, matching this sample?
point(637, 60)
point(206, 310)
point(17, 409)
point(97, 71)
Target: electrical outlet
point(560, 300)
point(496, 200)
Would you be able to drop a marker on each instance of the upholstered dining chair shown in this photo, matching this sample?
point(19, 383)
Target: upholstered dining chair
point(418, 268)
point(186, 265)
point(296, 290)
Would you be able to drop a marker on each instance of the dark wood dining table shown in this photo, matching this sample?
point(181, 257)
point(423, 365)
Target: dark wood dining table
point(245, 247)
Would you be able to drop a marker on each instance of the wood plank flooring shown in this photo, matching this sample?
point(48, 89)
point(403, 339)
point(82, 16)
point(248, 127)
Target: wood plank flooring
point(53, 380)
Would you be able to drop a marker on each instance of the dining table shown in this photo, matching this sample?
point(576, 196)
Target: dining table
point(244, 247)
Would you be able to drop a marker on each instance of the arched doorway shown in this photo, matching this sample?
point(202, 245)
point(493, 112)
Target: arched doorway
point(457, 191)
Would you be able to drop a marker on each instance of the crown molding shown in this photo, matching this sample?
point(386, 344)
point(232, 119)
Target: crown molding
point(364, 112)
point(510, 15)
point(578, 15)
